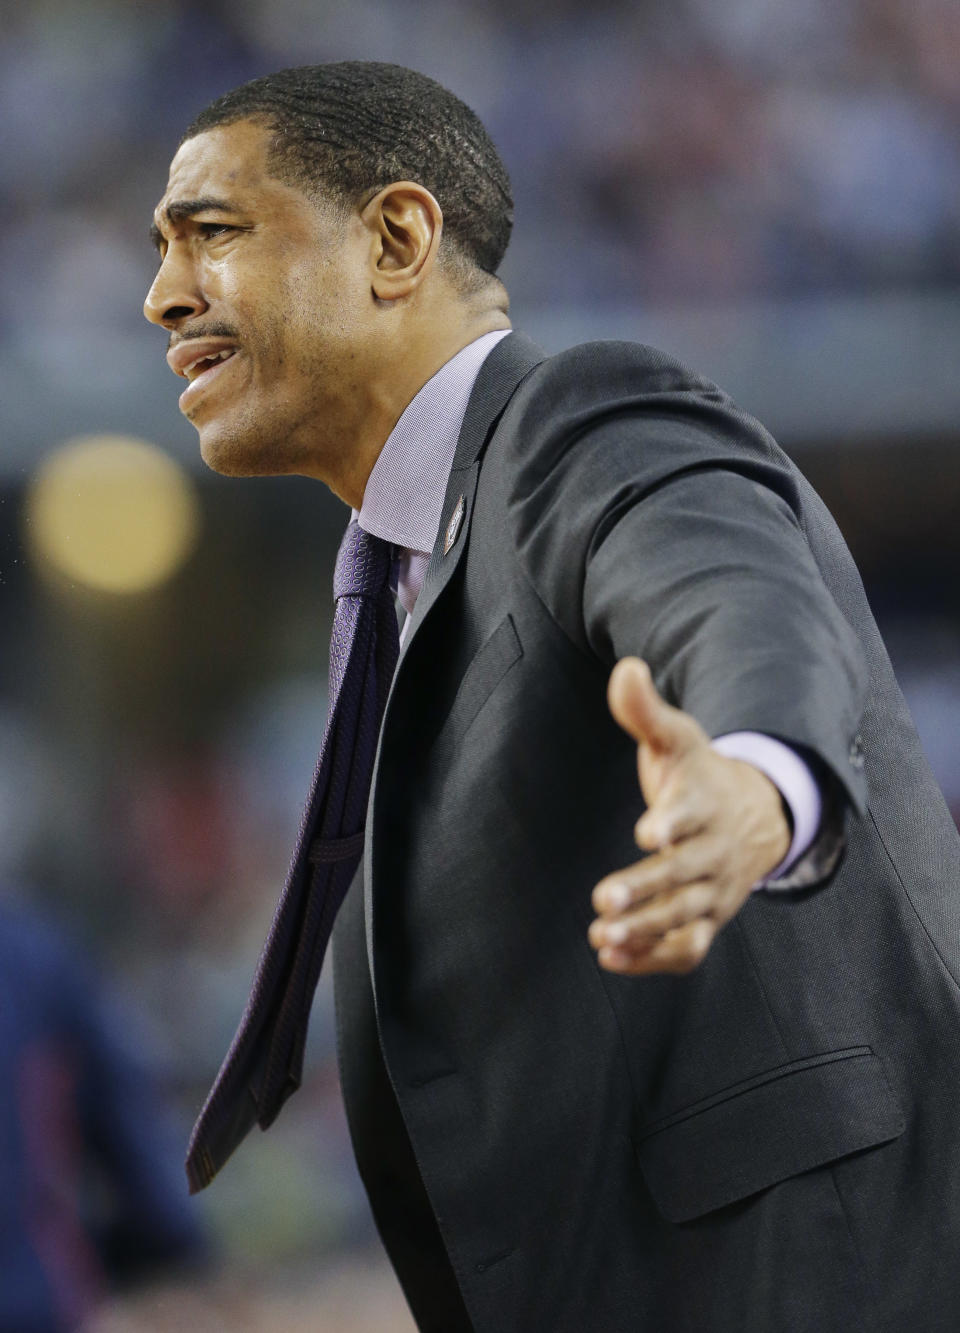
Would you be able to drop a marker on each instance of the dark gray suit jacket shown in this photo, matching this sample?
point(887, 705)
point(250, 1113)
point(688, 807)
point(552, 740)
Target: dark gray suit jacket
point(769, 1143)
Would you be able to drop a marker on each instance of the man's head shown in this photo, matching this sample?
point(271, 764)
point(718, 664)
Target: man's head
point(343, 131)
point(331, 233)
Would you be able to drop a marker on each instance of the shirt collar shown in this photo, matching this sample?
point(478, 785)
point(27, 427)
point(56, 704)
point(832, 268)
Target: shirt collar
point(403, 499)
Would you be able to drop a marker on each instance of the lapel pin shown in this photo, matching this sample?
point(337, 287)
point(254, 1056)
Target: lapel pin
point(453, 527)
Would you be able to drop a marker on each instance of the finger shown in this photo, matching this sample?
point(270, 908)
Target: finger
point(672, 821)
point(643, 714)
point(679, 951)
point(648, 924)
point(674, 867)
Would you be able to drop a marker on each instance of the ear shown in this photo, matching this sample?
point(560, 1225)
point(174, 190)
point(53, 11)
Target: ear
point(405, 223)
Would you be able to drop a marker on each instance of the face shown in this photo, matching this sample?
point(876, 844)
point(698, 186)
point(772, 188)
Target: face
point(266, 297)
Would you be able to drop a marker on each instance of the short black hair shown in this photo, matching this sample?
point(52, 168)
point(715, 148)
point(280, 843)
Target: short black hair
point(352, 127)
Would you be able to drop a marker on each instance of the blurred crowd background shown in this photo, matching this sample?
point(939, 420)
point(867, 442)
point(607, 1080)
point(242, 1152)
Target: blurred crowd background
point(768, 188)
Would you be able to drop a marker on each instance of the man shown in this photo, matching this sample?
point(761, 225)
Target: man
point(719, 1095)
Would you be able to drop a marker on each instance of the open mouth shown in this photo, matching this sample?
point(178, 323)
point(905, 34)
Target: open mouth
point(204, 364)
point(199, 361)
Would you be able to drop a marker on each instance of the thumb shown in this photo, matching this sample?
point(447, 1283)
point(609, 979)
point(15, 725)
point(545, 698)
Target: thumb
point(638, 708)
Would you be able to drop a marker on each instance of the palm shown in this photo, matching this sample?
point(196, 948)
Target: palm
point(712, 829)
point(655, 770)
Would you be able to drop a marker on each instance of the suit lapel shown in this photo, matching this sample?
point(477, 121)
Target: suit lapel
point(499, 377)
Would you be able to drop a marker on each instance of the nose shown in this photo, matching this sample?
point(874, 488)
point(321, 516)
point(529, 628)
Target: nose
point(175, 294)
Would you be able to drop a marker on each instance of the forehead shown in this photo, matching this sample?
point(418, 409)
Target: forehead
point(229, 161)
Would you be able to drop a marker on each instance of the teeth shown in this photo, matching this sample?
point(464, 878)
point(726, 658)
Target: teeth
point(208, 356)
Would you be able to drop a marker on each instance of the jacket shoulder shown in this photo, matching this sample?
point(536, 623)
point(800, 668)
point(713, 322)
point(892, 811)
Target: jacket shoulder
point(625, 413)
point(618, 368)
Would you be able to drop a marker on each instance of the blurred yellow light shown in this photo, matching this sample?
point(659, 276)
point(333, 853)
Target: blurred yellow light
point(113, 513)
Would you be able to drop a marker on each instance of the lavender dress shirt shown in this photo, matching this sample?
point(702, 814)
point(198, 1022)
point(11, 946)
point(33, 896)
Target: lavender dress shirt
point(403, 501)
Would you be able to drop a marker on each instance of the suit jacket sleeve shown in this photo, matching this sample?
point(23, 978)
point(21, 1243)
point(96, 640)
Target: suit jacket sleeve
point(654, 518)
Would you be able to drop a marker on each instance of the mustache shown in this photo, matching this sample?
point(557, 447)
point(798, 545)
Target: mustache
point(200, 331)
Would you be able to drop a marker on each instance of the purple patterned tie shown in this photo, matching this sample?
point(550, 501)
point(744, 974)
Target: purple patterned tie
point(263, 1066)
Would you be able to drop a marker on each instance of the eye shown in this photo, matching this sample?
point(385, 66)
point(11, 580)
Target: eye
point(209, 230)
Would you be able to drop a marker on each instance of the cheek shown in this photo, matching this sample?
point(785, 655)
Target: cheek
point(298, 323)
point(325, 296)
point(262, 330)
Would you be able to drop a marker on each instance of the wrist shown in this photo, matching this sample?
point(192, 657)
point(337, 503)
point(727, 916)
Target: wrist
point(770, 833)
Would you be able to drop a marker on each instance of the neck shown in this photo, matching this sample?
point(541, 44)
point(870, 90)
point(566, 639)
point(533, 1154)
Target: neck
point(391, 387)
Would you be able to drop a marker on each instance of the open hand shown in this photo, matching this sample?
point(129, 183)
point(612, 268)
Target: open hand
point(713, 827)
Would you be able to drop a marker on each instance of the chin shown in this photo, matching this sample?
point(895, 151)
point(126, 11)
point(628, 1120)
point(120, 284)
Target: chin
point(224, 461)
point(235, 458)
point(245, 448)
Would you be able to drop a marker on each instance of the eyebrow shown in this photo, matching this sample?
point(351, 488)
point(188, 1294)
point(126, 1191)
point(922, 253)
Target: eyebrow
point(182, 209)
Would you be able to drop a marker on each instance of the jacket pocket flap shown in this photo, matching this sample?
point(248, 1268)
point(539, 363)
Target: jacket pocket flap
point(757, 1133)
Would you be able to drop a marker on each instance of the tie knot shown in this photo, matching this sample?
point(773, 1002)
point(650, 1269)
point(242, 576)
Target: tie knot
point(363, 564)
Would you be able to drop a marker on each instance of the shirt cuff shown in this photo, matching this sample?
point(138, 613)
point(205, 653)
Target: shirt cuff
point(793, 779)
